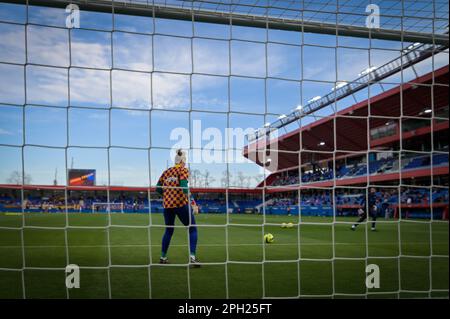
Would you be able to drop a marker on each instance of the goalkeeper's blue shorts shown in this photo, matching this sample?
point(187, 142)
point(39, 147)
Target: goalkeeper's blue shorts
point(181, 212)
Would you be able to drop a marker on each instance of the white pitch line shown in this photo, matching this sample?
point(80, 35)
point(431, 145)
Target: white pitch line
point(213, 245)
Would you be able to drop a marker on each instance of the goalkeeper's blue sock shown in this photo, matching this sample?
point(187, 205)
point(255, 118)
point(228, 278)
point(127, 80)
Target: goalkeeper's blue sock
point(192, 240)
point(166, 241)
point(188, 219)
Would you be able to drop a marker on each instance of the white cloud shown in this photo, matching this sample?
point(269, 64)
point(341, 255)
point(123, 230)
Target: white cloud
point(5, 132)
point(82, 83)
point(11, 84)
point(47, 15)
point(47, 86)
point(11, 49)
point(98, 116)
point(172, 54)
point(91, 54)
point(171, 91)
point(48, 46)
point(132, 52)
point(248, 59)
point(211, 57)
point(131, 89)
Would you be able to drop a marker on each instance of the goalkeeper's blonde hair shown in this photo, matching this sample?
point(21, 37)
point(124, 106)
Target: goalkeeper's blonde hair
point(180, 157)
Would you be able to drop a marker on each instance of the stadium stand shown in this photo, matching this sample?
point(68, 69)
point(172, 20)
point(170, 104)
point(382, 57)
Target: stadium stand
point(318, 202)
point(381, 166)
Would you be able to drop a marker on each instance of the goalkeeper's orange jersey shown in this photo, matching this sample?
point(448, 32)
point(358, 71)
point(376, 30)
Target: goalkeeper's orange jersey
point(173, 195)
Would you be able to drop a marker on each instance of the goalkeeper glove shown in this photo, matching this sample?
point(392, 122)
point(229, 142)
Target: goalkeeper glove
point(194, 206)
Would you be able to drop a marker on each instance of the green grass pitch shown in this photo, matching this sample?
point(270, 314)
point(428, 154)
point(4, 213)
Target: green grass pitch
point(303, 251)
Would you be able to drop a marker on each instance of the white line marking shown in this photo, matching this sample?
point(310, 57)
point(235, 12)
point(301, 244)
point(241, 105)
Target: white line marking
point(213, 245)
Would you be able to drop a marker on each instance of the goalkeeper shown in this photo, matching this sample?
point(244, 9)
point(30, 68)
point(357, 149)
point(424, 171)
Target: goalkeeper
point(173, 186)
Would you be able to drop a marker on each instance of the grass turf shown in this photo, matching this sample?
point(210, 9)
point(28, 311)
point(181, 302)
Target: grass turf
point(304, 251)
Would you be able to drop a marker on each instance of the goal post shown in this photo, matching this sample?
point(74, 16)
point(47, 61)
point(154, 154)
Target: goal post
point(102, 207)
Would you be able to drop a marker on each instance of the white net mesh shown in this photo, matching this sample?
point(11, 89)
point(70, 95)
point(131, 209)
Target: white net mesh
point(339, 109)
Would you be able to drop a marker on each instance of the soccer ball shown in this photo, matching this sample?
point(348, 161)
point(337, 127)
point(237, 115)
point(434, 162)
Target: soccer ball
point(290, 225)
point(284, 225)
point(268, 238)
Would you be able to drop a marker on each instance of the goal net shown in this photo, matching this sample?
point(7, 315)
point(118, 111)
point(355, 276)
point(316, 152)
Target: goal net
point(107, 207)
point(316, 140)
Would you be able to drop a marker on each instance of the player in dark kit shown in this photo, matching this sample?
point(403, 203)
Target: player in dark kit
point(173, 186)
point(371, 207)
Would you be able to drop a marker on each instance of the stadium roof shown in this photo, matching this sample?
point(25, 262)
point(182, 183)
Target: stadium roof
point(317, 138)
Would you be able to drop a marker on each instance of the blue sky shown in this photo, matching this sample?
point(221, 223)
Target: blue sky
point(147, 107)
